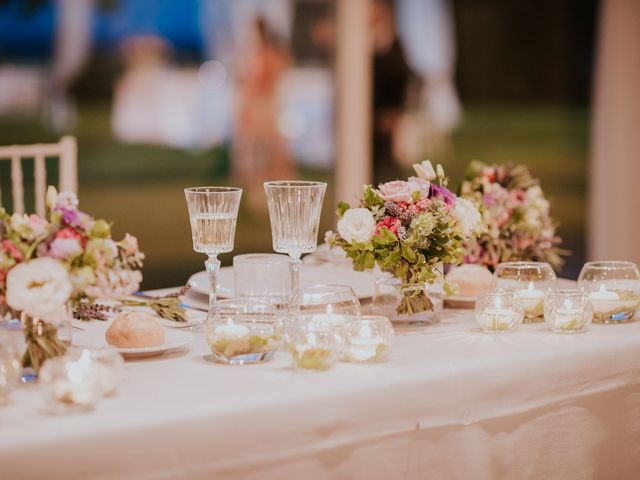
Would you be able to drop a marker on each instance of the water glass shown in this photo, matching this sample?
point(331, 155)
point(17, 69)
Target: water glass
point(568, 311)
point(531, 280)
point(263, 276)
point(294, 211)
point(213, 212)
point(614, 290)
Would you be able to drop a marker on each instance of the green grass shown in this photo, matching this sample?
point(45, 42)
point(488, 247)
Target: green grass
point(139, 188)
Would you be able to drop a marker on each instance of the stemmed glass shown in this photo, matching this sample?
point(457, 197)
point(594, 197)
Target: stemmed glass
point(294, 211)
point(213, 212)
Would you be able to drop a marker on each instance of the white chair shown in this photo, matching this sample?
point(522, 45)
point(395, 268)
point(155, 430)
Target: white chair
point(66, 150)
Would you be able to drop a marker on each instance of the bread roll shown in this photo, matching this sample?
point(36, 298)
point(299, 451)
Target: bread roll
point(135, 330)
point(470, 279)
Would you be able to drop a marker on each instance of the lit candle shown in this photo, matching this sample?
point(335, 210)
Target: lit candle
point(232, 330)
point(365, 345)
point(568, 317)
point(80, 385)
point(601, 299)
point(532, 300)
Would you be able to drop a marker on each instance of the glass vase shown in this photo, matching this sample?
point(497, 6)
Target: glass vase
point(413, 305)
point(43, 340)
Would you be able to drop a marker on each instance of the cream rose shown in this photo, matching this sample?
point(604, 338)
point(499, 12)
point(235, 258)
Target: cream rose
point(357, 224)
point(396, 191)
point(40, 288)
point(467, 216)
point(425, 170)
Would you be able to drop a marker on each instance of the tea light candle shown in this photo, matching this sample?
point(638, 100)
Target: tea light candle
point(79, 386)
point(566, 315)
point(602, 298)
point(532, 299)
point(232, 330)
point(365, 345)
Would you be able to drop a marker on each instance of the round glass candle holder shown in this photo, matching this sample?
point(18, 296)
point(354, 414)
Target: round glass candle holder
point(568, 311)
point(531, 281)
point(242, 331)
point(367, 339)
point(614, 290)
point(314, 345)
point(108, 361)
point(71, 383)
point(499, 311)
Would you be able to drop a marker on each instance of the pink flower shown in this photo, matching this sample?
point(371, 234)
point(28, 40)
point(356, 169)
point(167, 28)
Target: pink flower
point(130, 244)
point(391, 223)
point(65, 248)
point(38, 225)
point(396, 191)
point(12, 250)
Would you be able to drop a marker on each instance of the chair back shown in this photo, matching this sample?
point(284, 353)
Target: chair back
point(66, 150)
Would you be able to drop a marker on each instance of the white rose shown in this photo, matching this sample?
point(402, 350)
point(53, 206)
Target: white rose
point(357, 224)
point(425, 170)
point(40, 288)
point(467, 216)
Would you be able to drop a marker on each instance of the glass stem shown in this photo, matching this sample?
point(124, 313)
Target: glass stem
point(212, 265)
point(295, 273)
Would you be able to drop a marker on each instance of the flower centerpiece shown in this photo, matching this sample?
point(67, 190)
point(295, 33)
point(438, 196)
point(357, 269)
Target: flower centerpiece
point(518, 224)
point(68, 256)
point(408, 229)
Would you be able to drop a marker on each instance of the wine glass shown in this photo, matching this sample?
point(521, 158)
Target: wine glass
point(213, 212)
point(294, 211)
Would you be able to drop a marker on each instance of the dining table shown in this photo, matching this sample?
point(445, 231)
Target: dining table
point(450, 403)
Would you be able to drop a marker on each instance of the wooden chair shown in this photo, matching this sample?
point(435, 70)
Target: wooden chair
point(66, 150)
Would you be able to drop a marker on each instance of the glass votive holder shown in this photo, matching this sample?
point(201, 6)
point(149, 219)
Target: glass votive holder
point(10, 364)
point(531, 281)
point(367, 339)
point(614, 290)
point(71, 384)
point(265, 277)
point(314, 345)
point(499, 311)
point(241, 331)
point(109, 363)
point(568, 311)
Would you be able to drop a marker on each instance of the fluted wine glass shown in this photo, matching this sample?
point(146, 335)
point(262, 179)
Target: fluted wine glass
point(294, 211)
point(213, 212)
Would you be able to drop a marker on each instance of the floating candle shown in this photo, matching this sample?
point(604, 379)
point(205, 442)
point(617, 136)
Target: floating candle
point(602, 298)
point(364, 346)
point(568, 317)
point(532, 300)
point(497, 319)
point(231, 330)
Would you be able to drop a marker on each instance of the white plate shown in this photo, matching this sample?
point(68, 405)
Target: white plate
point(173, 340)
point(361, 282)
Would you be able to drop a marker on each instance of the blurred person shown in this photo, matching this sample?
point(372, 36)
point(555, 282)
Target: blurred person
point(391, 78)
point(260, 152)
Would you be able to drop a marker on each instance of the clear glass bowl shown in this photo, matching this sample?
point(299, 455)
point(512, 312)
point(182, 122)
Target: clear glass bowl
point(314, 345)
point(367, 339)
point(333, 304)
point(499, 311)
point(242, 331)
point(71, 383)
point(531, 280)
point(568, 311)
point(614, 290)
point(109, 362)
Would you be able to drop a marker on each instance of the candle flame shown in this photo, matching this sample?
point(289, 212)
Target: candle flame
point(602, 288)
point(530, 287)
point(567, 303)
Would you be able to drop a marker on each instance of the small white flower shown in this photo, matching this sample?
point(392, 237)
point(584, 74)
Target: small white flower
point(425, 170)
point(52, 197)
point(357, 224)
point(67, 200)
point(40, 288)
point(467, 216)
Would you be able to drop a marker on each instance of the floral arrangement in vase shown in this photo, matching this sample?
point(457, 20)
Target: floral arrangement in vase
point(518, 224)
point(64, 261)
point(408, 229)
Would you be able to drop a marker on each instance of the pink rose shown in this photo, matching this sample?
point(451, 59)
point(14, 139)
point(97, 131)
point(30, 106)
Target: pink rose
point(37, 224)
point(391, 223)
point(65, 248)
point(396, 191)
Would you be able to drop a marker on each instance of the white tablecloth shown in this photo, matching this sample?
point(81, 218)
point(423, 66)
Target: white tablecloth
point(451, 403)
